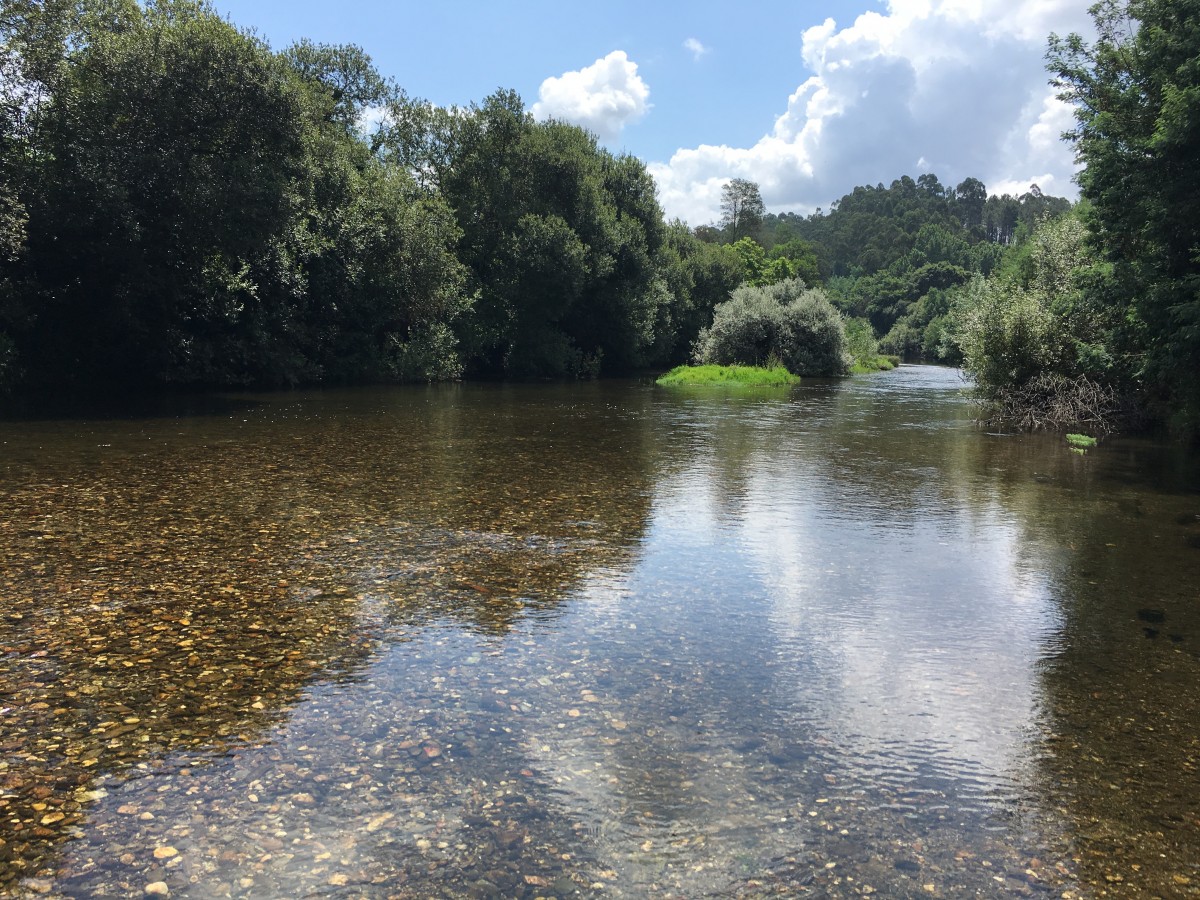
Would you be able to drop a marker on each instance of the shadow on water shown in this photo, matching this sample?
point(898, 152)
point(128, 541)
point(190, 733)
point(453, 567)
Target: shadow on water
point(78, 405)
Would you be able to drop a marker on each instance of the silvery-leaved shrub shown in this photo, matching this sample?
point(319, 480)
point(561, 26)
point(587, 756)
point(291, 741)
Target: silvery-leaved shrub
point(786, 321)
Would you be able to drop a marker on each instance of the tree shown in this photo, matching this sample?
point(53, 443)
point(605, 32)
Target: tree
point(346, 72)
point(969, 199)
point(202, 210)
point(561, 237)
point(169, 147)
point(742, 209)
point(1136, 93)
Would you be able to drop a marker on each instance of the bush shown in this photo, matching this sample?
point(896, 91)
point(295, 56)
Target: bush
point(860, 340)
point(1054, 402)
point(903, 341)
point(785, 321)
point(1007, 335)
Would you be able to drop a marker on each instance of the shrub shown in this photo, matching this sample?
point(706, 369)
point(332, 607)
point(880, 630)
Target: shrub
point(796, 325)
point(1007, 335)
point(860, 340)
point(903, 341)
point(1054, 402)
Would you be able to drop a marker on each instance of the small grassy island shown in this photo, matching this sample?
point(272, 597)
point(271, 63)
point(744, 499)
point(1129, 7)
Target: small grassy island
point(866, 365)
point(746, 376)
point(1080, 443)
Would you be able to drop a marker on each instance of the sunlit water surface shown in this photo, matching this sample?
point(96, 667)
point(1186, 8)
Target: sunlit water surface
point(598, 640)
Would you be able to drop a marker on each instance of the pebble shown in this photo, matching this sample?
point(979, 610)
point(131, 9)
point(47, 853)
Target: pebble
point(157, 889)
point(165, 852)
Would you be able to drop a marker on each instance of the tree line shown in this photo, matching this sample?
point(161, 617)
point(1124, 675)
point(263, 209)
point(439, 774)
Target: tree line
point(891, 257)
point(1084, 316)
point(182, 204)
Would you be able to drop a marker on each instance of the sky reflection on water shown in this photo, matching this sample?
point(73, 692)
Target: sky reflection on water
point(599, 639)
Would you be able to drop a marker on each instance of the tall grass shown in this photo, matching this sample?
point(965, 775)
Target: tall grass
point(754, 376)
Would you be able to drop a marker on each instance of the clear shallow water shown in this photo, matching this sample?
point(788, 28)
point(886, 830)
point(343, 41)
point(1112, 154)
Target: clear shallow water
point(596, 640)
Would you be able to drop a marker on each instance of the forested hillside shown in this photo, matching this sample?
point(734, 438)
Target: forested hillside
point(894, 255)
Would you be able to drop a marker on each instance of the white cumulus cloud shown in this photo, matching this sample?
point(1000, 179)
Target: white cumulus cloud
point(603, 97)
point(954, 87)
point(693, 46)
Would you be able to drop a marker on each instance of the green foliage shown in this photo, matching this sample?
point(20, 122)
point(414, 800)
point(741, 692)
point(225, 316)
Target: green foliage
point(801, 259)
point(167, 155)
point(202, 210)
point(1007, 335)
point(563, 240)
point(742, 209)
point(1081, 440)
point(755, 376)
point(1041, 351)
point(860, 338)
point(345, 73)
point(179, 203)
point(870, 364)
point(903, 340)
point(886, 250)
point(1136, 91)
point(694, 276)
point(784, 321)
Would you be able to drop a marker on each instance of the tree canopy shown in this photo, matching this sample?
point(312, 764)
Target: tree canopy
point(1136, 93)
point(742, 209)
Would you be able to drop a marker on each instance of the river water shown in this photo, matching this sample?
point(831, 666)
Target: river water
point(607, 640)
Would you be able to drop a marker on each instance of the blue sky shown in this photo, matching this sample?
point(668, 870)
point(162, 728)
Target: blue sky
point(806, 98)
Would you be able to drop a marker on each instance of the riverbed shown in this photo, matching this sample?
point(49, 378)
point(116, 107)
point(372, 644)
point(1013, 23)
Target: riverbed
point(600, 640)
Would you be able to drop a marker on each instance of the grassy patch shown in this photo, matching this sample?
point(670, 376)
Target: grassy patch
point(753, 376)
point(868, 364)
point(1080, 441)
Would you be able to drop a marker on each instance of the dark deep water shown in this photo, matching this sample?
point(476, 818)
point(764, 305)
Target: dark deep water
point(604, 639)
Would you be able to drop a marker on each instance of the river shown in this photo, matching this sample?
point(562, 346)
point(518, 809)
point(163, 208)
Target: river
point(607, 639)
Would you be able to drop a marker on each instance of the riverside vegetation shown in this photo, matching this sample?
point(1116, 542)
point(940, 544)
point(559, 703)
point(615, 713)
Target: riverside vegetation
point(181, 204)
point(752, 376)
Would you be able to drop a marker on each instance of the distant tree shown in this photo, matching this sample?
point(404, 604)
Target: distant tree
point(802, 259)
point(742, 209)
point(969, 199)
point(930, 185)
point(754, 261)
point(696, 276)
point(1001, 215)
